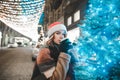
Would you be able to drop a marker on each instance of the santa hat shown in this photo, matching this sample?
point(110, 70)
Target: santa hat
point(56, 26)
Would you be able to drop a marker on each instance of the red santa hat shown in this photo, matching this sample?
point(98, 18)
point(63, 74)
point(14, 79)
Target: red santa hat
point(56, 26)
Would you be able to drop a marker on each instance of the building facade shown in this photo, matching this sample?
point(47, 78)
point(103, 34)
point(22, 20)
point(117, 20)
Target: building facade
point(69, 12)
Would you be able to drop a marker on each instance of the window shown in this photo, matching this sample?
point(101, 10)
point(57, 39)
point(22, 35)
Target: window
point(77, 16)
point(69, 20)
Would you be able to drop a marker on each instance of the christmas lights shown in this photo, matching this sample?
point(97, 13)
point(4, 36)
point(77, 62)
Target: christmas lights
point(22, 15)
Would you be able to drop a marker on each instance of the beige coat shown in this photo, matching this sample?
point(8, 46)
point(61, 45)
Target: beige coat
point(57, 72)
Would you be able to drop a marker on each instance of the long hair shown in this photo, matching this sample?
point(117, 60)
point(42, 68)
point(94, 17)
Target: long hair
point(53, 47)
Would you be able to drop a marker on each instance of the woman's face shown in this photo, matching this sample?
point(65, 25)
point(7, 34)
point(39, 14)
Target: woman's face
point(58, 36)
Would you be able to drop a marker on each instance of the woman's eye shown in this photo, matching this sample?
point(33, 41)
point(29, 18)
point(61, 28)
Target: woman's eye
point(57, 32)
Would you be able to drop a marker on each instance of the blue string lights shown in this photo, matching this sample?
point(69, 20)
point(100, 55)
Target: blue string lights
point(99, 45)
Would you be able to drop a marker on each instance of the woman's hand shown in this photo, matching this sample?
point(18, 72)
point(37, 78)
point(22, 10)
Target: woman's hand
point(65, 45)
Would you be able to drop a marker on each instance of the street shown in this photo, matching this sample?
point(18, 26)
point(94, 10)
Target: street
point(16, 63)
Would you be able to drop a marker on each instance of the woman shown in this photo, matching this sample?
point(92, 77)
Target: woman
point(54, 61)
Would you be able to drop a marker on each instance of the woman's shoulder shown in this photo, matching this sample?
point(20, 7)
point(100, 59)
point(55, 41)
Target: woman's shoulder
point(43, 56)
point(45, 50)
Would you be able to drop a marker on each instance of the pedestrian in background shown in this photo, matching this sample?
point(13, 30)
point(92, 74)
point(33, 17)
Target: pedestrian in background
point(54, 62)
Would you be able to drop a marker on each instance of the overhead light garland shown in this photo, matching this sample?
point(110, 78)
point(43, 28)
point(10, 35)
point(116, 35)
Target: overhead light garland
point(21, 14)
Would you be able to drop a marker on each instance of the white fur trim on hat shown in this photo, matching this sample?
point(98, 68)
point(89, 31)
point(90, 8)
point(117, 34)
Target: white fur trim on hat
point(55, 28)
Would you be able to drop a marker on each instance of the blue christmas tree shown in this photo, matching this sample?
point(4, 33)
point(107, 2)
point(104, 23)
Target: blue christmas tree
point(99, 45)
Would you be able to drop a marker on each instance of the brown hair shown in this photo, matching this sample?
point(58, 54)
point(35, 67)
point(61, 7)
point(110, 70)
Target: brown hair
point(50, 41)
point(53, 47)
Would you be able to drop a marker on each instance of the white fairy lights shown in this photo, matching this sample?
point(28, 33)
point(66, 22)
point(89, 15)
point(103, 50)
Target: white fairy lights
point(22, 15)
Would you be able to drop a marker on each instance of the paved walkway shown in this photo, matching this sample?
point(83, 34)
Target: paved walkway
point(16, 64)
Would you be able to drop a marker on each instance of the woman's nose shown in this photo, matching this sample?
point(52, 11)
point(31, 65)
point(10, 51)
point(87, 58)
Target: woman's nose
point(61, 36)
